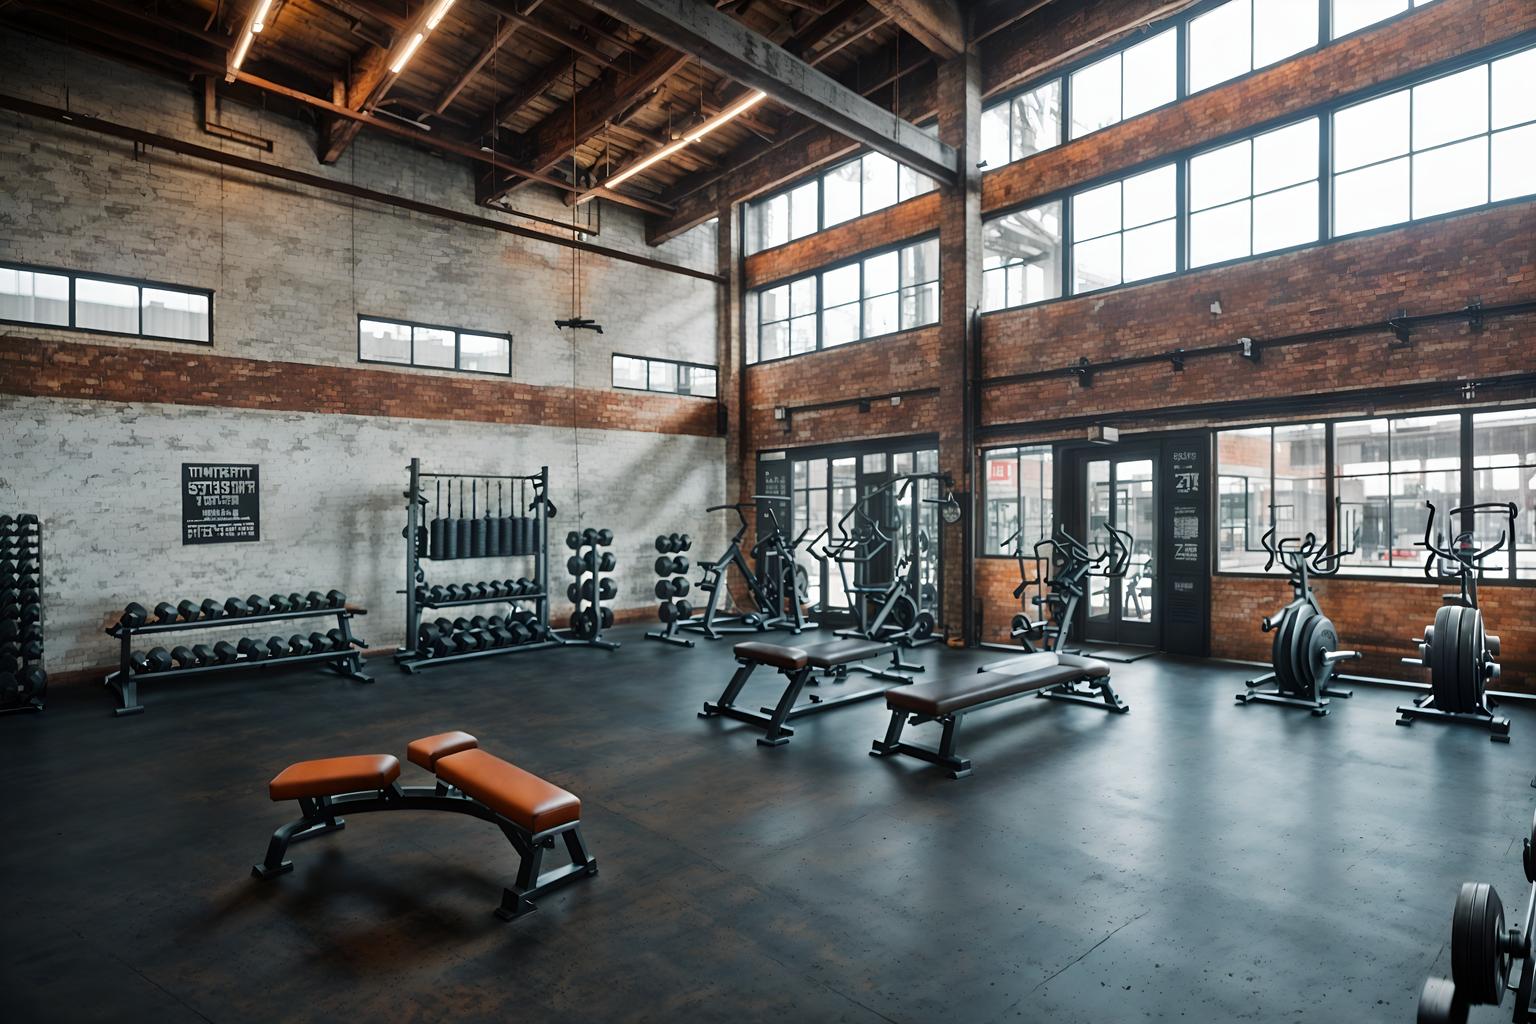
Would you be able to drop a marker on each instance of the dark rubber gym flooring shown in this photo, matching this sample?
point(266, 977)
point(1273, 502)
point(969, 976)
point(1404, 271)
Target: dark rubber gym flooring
point(1193, 860)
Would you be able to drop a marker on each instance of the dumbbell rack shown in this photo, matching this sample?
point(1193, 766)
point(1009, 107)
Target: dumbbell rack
point(677, 587)
point(412, 658)
point(124, 681)
point(21, 542)
point(591, 557)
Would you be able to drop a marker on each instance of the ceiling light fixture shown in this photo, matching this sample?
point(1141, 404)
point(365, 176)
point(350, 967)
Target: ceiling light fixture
point(253, 26)
point(418, 34)
point(741, 106)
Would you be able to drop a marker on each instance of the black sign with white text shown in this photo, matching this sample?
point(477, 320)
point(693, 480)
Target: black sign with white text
point(220, 504)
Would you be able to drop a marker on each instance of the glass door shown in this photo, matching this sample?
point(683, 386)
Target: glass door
point(1121, 490)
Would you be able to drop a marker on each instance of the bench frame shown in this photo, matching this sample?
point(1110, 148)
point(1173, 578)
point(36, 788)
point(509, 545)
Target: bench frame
point(1095, 692)
point(772, 720)
point(320, 815)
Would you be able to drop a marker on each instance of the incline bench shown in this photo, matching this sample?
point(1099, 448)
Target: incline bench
point(528, 810)
point(1045, 674)
point(797, 664)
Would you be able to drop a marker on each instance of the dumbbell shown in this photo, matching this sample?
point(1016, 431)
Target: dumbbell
point(318, 643)
point(589, 536)
point(664, 543)
point(138, 662)
point(526, 585)
point(573, 540)
point(605, 589)
point(573, 592)
point(606, 617)
point(251, 648)
point(605, 537)
point(684, 542)
point(277, 647)
point(671, 566)
point(257, 604)
point(682, 609)
point(184, 657)
point(501, 636)
point(436, 594)
point(478, 589)
point(203, 653)
point(339, 640)
point(165, 612)
point(313, 599)
point(336, 599)
point(679, 587)
point(297, 644)
point(278, 604)
point(608, 562)
point(32, 651)
point(225, 653)
point(663, 590)
point(210, 609)
point(235, 607)
point(133, 616)
point(187, 610)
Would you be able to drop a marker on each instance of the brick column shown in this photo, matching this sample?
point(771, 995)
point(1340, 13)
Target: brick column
point(728, 351)
point(959, 106)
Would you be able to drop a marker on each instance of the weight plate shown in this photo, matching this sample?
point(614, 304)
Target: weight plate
point(1276, 646)
point(1304, 660)
point(1285, 679)
point(1469, 659)
point(1445, 631)
point(924, 628)
point(1478, 967)
point(1296, 666)
point(904, 613)
point(1325, 640)
point(1439, 1004)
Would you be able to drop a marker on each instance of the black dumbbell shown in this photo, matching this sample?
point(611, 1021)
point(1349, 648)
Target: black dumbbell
point(277, 647)
point(605, 537)
point(663, 566)
point(436, 594)
point(160, 660)
point(679, 587)
point(500, 636)
point(278, 604)
point(607, 590)
point(235, 607)
point(573, 592)
point(526, 585)
point(662, 543)
point(297, 644)
point(203, 653)
point(479, 589)
point(684, 542)
point(682, 608)
point(31, 681)
point(574, 565)
point(137, 662)
point(184, 657)
point(663, 590)
point(339, 640)
point(313, 599)
point(589, 536)
point(452, 592)
point(134, 616)
point(318, 643)
point(257, 604)
point(336, 599)
point(225, 653)
point(295, 602)
point(166, 612)
point(607, 617)
point(210, 609)
point(462, 643)
point(187, 610)
point(251, 648)
point(31, 613)
point(573, 540)
point(608, 562)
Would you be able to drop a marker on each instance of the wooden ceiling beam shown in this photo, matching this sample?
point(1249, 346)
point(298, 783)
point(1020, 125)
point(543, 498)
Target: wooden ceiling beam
point(505, 30)
point(937, 24)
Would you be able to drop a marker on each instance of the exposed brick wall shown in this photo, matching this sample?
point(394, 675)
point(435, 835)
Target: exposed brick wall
point(1379, 619)
point(1036, 43)
point(121, 373)
point(1428, 267)
point(1435, 33)
point(884, 227)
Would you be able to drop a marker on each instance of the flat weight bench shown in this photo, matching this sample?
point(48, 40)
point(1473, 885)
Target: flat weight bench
point(798, 665)
point(528, 810)
point(1045, 674)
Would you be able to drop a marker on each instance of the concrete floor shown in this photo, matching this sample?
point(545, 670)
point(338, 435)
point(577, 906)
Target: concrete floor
point(1193, 860)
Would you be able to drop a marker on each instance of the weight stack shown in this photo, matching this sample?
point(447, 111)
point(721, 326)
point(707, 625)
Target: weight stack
point(23, 681)
point(672, 581)
point(594, 589)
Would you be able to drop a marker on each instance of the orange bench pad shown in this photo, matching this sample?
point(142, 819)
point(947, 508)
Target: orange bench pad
point(520, 796)
point(331, 776)
point(428, 750)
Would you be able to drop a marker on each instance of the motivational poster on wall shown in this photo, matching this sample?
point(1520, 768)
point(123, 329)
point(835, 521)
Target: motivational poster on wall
point(220, 503)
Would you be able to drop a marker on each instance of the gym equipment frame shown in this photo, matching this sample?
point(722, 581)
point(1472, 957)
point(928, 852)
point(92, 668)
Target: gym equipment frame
point(1487, 958)
point(1305, 649)
point(1456, 647)
point(345, 661)
point(1064, 565)
point(589, 610)
point(21, 547)
point(773, 591)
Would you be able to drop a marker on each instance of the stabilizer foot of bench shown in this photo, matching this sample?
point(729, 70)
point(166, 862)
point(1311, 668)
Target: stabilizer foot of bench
point(263, 872)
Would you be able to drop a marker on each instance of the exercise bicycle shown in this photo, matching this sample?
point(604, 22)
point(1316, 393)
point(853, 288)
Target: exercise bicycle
point(1487, 958)
point(1304, 653)
point(1064, 565)
point(774, 590)
point(1457, 648)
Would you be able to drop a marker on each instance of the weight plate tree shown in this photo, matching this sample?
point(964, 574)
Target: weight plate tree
point(337, 649)
point(1488, 957)
point(23, 681)
point(1457, 648)
point(474, 534)
point(1305, 651)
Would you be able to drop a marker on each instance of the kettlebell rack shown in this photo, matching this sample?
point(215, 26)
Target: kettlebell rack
point(23, 682)
point(449, 538)
point(343, 653)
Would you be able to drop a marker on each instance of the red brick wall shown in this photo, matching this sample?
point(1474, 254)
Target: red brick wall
point(1379, 619)
point(884, 227)
point(119, 373)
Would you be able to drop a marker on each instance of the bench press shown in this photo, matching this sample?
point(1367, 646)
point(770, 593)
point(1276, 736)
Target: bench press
point(836, 659)
point(531, 813)
point(1045, 674)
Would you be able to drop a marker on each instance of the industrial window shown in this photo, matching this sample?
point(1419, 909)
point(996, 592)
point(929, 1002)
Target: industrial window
point(437, 348)
point(1018, 498)
point(1022, 125)
point(638, 373)
point(883, 293)
point(1254, 196)
point(1268, 476)
point(1457, 141)
point(1504, 469)
point(1352, 15)
point(1125, 230)
point(111, 305)
point(1384, 471)
point(1021, 257)
point(862, 185)
point(1242, 35)
point(1124, 84)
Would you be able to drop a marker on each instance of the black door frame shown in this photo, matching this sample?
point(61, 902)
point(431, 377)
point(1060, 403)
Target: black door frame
point(1115, 629)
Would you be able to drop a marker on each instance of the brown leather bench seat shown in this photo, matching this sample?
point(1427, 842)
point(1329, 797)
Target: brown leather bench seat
point(944, 696)
point(505, 788)
point(332, 775)
point(780, 656)
point(429, 749)
point(841, 652)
